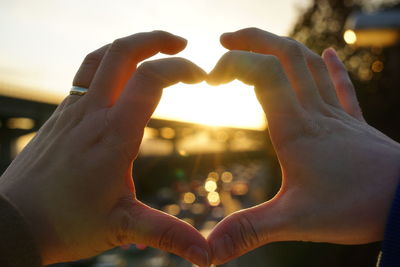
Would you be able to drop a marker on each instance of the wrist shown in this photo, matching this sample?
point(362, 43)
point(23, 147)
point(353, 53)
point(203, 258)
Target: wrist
point(17, 244)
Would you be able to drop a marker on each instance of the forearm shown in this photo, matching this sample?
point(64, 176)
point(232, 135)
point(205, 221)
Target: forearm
point(17, 245)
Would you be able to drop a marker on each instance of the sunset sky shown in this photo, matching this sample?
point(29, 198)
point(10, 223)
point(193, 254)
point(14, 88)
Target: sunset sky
point(44, 41)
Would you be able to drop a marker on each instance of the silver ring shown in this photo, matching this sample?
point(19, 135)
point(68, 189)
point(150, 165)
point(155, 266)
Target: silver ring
point(76, 90)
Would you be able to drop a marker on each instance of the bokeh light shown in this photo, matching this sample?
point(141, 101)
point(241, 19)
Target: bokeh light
point(172, 209)
point(226, 177)
point(377, 66)
point(240, 188)
point(167, 133)
point(213, 198)
point(213, 176)
point(350, 37)
point(189, 197)
point(197, 208)
point(210, 186)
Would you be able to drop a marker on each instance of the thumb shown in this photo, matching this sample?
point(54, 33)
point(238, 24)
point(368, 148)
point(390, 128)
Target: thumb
point(138, 223)
point(246, 230)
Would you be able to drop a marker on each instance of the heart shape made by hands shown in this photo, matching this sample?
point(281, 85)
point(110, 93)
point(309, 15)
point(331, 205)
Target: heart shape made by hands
point(90, 143)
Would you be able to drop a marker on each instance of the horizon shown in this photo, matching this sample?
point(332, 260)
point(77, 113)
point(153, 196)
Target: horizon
point(45, 42)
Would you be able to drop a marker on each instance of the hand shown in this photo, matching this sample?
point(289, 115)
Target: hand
point(73, 182)
point(339, 174)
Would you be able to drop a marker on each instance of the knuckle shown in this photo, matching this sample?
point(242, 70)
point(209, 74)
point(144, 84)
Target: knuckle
point(272, 69)
point(147, 69)
point(92, 58)
point(292, 48)
point(251, 32)
point(313, 129)
point(119, 45)
point(166, 241)
point(229, 56)
point(159, 33)
point(272, 63)
point(316, 62)
point(244, 232)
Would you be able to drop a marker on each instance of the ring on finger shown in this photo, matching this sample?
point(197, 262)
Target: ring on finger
point(77, 90)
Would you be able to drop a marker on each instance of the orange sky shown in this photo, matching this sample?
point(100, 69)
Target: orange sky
point(44, 41)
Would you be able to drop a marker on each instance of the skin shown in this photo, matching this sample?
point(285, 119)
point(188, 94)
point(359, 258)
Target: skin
point(73, 182)
point(339, 174)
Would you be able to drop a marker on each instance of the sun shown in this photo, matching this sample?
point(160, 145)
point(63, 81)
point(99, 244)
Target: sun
point(230, 105)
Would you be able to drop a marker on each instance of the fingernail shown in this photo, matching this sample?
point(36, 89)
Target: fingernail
point(330, 52)
point(223, 248)
point(198, 255)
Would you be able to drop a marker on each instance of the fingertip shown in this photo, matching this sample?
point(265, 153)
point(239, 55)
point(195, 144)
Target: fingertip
point(182, 41)
point(329, 53)
point(226, 39)
point(198, 255)
point(177, 44)
point(212, 80)
point(168, 233)
point(212, 83)
point(198, 76)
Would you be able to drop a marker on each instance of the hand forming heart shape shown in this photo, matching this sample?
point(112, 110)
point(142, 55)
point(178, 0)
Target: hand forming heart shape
point(82, 198)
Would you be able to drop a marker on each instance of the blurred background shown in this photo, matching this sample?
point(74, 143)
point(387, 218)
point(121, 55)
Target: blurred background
point(206, 152)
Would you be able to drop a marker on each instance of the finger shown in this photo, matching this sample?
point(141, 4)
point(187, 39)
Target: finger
point(86, 72)
point(288, 52)
point(121, 59)
point(343, 85)
point(89, 66)
point(271, 84)
point(320, 75)
point(144, 225)
point(246, 230)
point(143, 92)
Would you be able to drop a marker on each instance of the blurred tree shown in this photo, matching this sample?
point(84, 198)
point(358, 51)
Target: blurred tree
point(375, 71)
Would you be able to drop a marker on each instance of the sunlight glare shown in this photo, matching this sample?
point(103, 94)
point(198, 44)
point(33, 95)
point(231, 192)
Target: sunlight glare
point(231, 105)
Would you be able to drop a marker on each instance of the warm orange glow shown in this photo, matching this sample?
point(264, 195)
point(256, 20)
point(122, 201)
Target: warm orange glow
point(42, 73)
point(20, 123)
point(372, 37)
point(231, 105)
